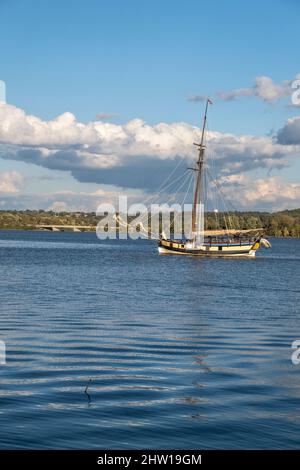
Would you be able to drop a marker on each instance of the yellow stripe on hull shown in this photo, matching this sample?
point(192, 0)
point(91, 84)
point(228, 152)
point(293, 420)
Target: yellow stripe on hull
point(164, 251)
point(177, 248)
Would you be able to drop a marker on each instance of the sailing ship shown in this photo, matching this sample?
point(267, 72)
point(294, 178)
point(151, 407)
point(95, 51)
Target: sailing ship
point(214, 243)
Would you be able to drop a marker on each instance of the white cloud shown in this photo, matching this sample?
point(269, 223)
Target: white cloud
point(68, 200)
point(264, 193)
point(289, 134)
point(244, 192)
point(264, 88)
point(58, 206)
point(270, 193)
point(138, 155)
point(135, 154)
point(11, 182)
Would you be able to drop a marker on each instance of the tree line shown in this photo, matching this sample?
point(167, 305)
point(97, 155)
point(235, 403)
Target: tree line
point(278, 224)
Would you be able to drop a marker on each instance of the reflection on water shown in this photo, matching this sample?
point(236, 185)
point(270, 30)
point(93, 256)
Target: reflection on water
point(110, 346)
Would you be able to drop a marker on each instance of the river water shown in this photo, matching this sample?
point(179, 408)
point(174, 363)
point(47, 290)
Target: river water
point(110, 346)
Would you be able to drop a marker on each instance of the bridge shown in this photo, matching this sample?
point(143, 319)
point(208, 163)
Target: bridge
point(66, 228)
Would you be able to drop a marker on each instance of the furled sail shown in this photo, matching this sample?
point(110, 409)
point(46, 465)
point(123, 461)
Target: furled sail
point(215, 233)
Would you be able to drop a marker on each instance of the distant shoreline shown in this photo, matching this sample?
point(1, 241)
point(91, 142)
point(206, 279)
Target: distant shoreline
point(24, 229)
point(20, 229)
point(283, 224)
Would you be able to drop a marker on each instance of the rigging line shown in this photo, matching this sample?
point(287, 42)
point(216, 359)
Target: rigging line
point(191, 178)
point(222, 193)
point(172, 172)
point(178, 178)
point(224, 200)
point(128, 227)
point(185, 178)
point(185, 196)
point(214, 189)
point(224, 209)
point(142, 230)
point(214, 192)
point(156, 195)
point(161, 187)
point(146, 215)
point(227, 209)
point(152, 215)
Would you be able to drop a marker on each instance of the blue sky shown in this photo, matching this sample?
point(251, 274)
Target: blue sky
point(138, 59)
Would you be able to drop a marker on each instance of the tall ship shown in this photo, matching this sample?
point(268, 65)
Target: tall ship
point(226, 242)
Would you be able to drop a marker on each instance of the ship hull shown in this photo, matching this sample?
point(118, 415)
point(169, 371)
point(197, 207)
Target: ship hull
point(169, 247)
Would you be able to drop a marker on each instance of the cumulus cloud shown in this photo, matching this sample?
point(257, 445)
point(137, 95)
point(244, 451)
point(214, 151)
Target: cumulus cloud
point(236, 154)
point(133, 155)
point(289, 134)
point(264, 193)
point(69, 200)
point(11, 182)
point(264, 88)
point(244, 192)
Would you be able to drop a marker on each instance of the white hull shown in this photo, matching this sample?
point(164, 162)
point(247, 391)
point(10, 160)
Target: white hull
point(164, 251)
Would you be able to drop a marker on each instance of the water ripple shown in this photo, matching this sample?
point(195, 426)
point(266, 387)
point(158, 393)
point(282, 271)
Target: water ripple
point(172, 353)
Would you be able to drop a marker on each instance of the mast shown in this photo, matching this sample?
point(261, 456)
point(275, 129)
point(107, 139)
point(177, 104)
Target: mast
point(199, 172)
